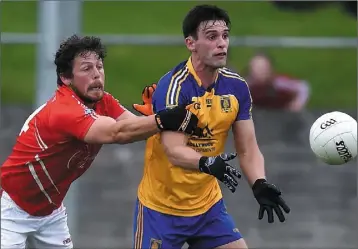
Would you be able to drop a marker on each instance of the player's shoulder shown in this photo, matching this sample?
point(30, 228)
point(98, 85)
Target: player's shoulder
point(108, 98)
point(108, 101)
point(171, 83)
point(233, 83)
point(232, 79)
point(229, 75)
point(65, 107)
point(66, 103)
point(177, 73)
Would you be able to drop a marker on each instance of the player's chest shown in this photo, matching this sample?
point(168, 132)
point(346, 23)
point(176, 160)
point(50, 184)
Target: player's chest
point(218, 112)
point(79, 155)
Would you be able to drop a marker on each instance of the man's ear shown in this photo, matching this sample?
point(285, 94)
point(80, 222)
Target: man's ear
point(190, 43)
point(65, 80)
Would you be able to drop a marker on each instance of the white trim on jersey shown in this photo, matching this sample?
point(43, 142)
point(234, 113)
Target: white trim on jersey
point(39, 140)
point(227, 71)
point(46, 172)
point(37, 180)
point(175, 86)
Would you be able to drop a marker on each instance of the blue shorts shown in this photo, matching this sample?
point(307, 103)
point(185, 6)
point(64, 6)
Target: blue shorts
point(153, 229)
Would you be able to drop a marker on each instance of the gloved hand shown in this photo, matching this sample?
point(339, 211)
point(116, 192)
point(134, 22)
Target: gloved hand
point(179, 119)
point(218, 167)
point(146, 107)
point(269, 198)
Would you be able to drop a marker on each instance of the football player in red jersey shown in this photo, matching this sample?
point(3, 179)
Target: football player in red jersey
point(60, 140)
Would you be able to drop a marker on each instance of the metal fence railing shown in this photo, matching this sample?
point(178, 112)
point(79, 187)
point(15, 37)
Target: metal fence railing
point(154, 39)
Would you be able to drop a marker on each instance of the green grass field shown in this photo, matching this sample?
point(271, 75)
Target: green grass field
point(331, 72)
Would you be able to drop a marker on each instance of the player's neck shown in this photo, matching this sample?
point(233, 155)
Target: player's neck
point(90, 105)
point(206, 74)
point(84, 100)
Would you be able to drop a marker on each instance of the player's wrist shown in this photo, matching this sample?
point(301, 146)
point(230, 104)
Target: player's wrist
point(203, 167)
point(257, 183)
point(178, 119)
point(170, 119)
point(158, 122)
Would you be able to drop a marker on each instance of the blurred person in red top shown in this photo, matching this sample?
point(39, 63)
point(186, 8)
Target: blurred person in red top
point(60, 140)
point(275, 91)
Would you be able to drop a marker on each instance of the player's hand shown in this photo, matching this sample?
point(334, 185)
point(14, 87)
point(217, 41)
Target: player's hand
point(270, 200)
point(178, 119)
point(218, 167)
point(146, 107)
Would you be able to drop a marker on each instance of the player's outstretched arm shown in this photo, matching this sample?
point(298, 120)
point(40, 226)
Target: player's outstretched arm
point(106, 130)
point(250, 156)
point(252, 164)
point(181, 155)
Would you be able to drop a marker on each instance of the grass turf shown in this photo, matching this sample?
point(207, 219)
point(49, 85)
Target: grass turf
point(331, 72)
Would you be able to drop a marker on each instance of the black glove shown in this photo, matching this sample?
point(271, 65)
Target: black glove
point(178, 119)
point(269, 198)
point(218, 167)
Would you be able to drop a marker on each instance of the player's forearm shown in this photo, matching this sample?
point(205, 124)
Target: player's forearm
point(252, 165)
point(134, 129)
point(184, 157)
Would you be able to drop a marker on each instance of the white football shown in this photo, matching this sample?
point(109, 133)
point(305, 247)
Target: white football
point(333, 138)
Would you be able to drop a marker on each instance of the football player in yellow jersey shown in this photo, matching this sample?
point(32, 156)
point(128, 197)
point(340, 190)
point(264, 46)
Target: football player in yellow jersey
point(179, 198)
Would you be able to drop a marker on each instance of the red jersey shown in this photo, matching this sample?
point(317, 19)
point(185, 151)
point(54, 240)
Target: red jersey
point(50, 153)
point(280, 93)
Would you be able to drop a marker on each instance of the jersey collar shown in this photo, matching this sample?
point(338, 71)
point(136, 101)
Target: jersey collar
point(191, 69)
point(67, 91)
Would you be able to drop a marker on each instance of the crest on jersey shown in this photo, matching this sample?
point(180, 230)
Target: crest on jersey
point(209, 102)
point(155, 244)
point(225, 103)
point(91, 112)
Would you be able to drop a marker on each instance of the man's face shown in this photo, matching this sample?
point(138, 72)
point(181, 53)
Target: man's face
point(260, 70)
point(212, 43)
point(88, 77)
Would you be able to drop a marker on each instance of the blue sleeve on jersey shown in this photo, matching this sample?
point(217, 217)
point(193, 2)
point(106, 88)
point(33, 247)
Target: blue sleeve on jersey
point(245, 101)
point(168, 93)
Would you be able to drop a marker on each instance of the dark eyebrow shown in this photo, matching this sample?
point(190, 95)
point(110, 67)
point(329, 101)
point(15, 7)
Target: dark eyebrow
point(89, 63)
point(208, 31)
point(85, 63)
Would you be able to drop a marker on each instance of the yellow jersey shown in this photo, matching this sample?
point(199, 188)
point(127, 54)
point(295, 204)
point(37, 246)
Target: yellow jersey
point(171, 189)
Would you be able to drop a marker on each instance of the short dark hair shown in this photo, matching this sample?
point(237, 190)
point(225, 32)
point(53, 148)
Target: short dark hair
point(203, 13)
point(71, 48)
